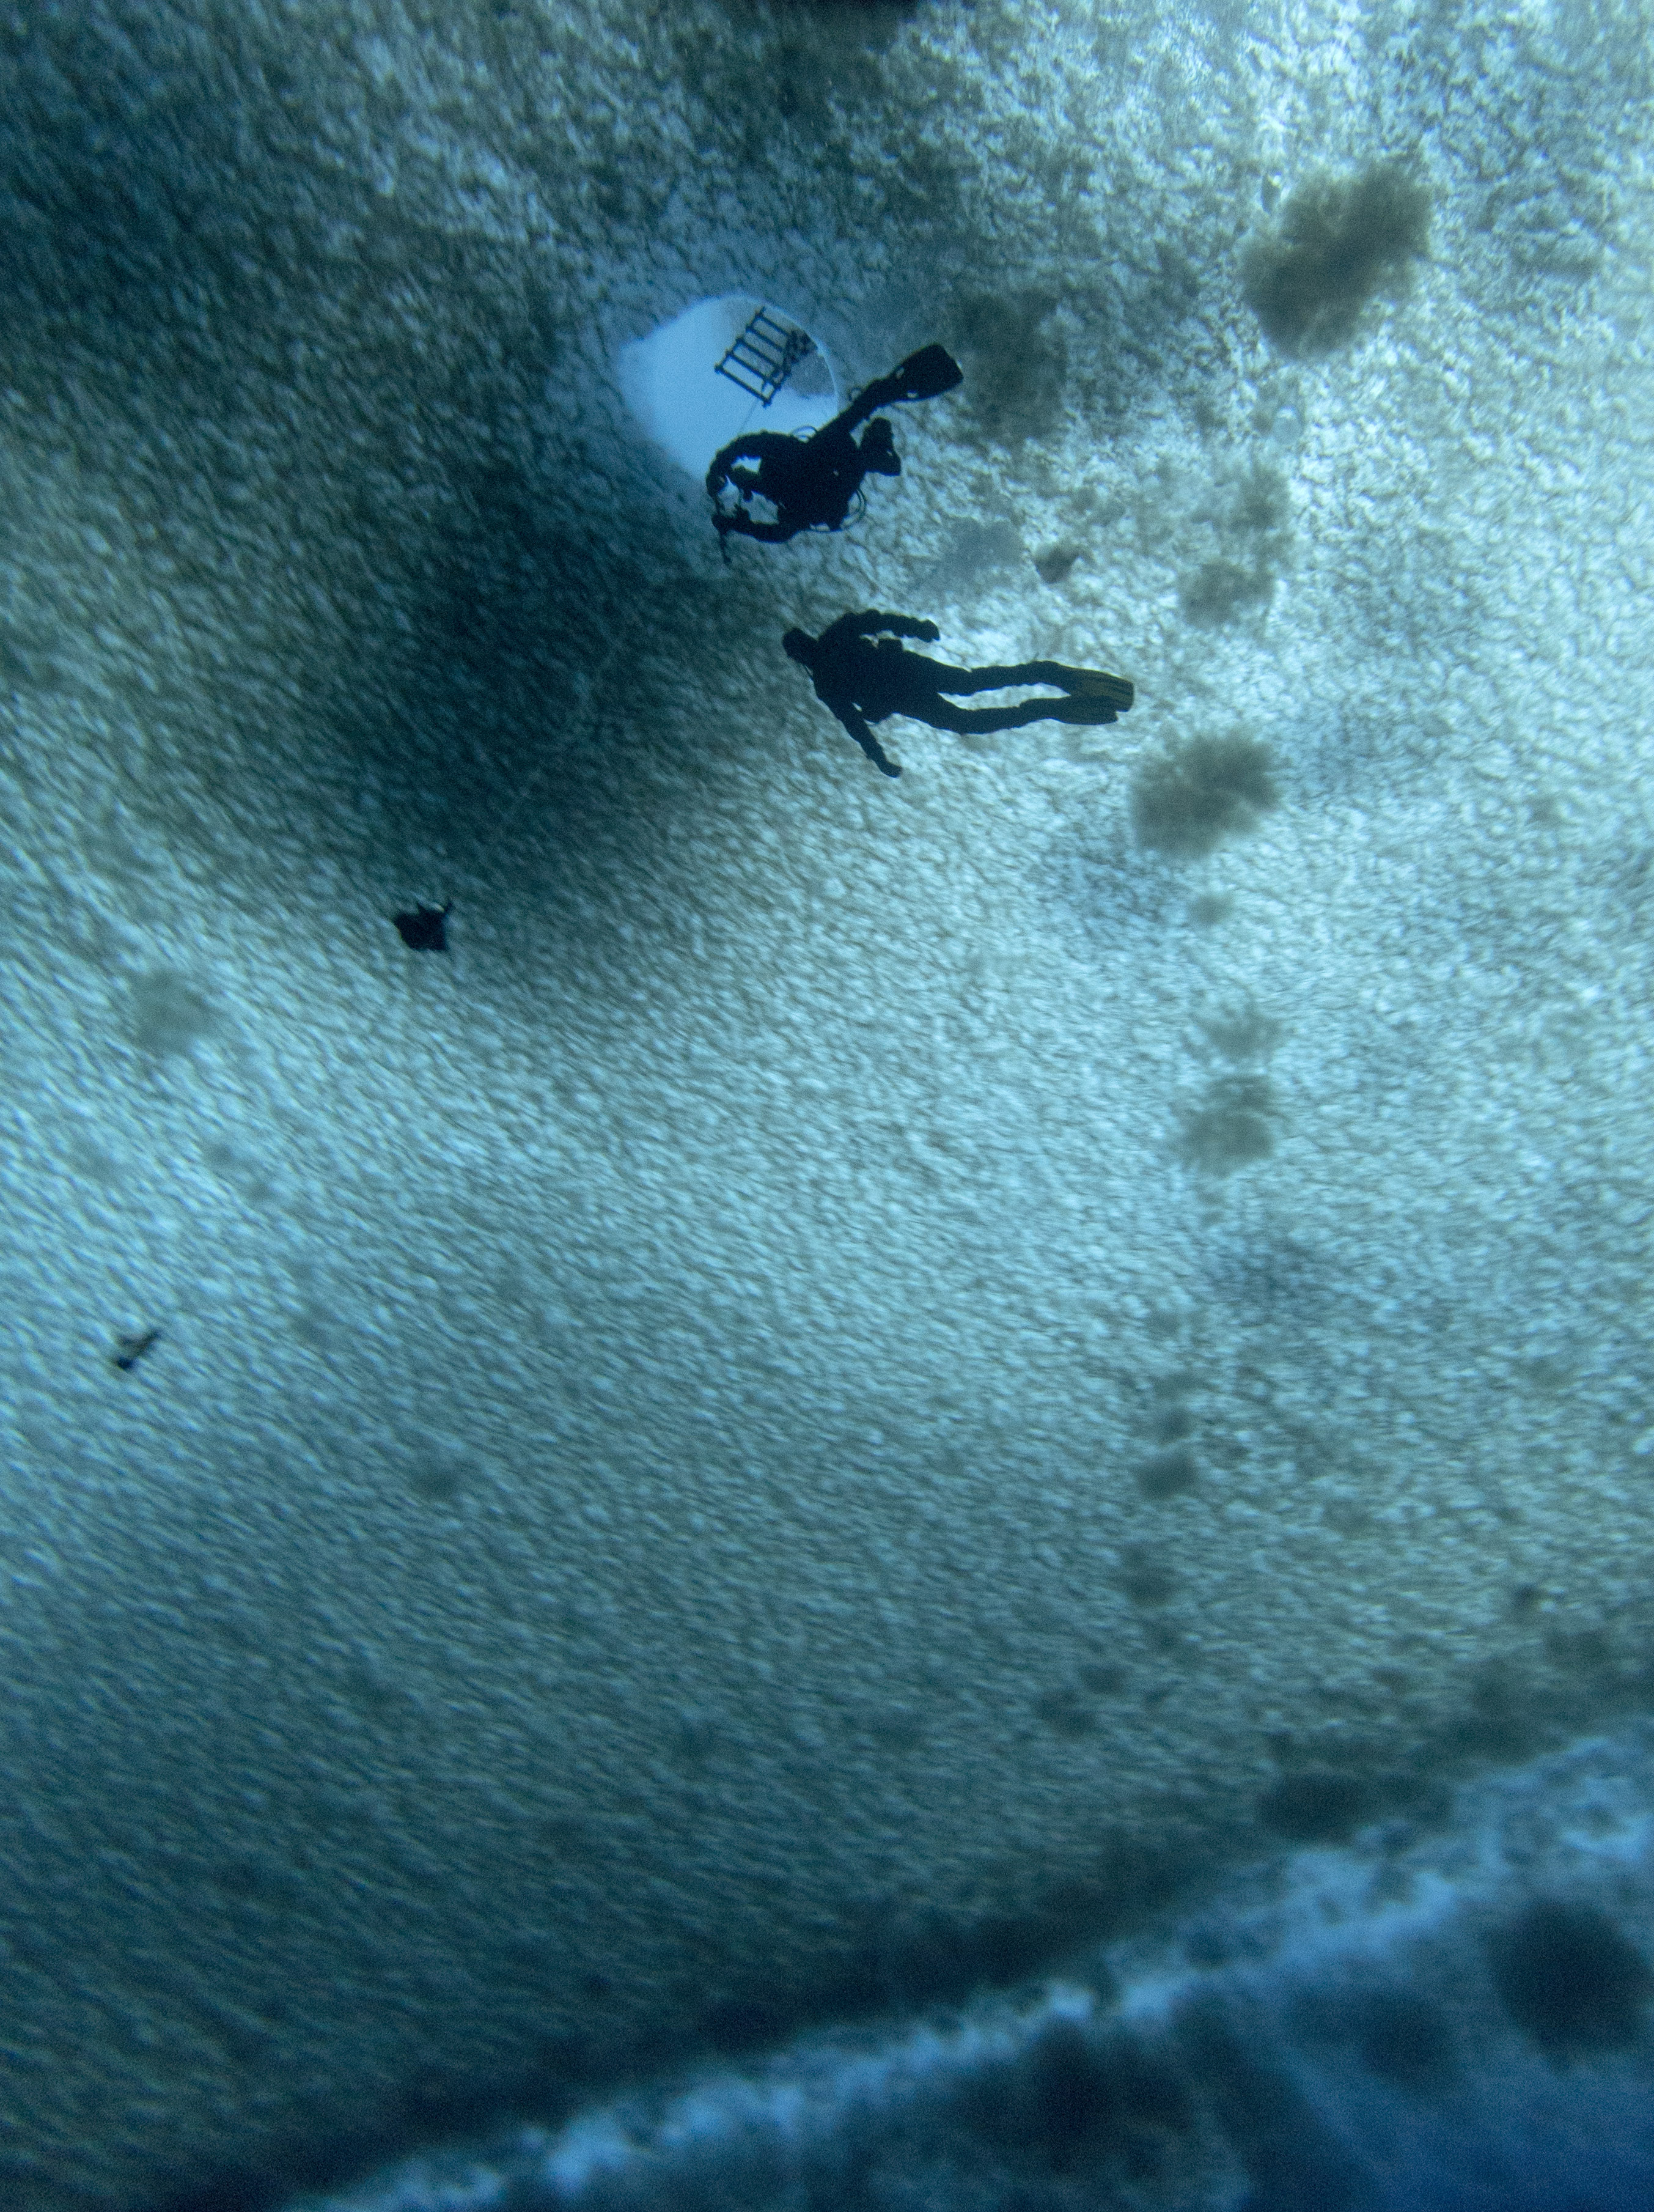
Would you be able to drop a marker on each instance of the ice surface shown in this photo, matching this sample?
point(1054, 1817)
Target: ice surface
point(672, 385)
point(1335, 2027)
point(646, 1524)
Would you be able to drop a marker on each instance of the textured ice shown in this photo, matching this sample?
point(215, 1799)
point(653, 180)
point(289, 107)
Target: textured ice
point(642, 1528)
point(1329, 2029)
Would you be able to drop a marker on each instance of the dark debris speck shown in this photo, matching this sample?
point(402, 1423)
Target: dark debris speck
point(424, 928)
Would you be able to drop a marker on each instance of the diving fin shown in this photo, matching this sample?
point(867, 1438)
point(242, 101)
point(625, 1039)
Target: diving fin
point(1092, 683)
point(927, 374)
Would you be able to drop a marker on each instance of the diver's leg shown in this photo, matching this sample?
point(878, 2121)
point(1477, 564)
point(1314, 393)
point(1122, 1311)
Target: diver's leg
point(1088, 685)
point(883, 392)
point(878, 452)
point(1088, 707)
point(977, 722)
point(996, 679)
point(942, 714)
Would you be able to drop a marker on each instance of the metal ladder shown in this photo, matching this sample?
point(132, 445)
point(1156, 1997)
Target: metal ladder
point(765, 356)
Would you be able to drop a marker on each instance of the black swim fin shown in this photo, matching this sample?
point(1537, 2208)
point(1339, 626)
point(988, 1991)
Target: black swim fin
point(1092, 683)
point(927, 374)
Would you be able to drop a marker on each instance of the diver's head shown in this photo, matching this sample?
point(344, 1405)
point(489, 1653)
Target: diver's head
point(799, 644)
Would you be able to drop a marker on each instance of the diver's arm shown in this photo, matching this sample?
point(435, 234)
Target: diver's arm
point(853, 720)
point(872, 625)
point(749, 448)
point(744, 526)
point(718, 474)
point(843, 628)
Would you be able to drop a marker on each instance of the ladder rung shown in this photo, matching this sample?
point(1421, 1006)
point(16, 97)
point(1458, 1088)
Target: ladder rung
point(767, 350)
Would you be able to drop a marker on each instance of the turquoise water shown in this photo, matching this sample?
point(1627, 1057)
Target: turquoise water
point(806, 1465)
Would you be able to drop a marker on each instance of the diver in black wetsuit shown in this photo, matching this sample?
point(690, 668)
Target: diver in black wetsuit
point(862, 673)
point(811, 482)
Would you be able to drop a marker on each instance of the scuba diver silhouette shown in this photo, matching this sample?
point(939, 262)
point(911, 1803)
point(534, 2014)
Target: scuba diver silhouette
point(812, 481)
point(862, 673)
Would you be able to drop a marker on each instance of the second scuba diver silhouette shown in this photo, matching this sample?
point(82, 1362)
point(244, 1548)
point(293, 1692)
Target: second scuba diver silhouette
point(811, 482)
point(862, 673)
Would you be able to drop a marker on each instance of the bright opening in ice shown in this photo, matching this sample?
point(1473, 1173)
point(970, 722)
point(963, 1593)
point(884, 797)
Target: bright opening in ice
point(673, 384)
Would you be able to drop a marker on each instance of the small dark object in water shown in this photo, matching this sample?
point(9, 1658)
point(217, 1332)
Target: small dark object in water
point(811, 482)
point(129, 1350)
point(864, 676)
point(1055, 564)
point(426, 929)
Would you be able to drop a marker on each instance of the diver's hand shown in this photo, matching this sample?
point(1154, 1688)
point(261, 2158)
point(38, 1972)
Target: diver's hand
point(876, 752)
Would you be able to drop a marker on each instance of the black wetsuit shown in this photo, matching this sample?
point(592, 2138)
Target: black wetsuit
point(812, 481)
point(864, 676)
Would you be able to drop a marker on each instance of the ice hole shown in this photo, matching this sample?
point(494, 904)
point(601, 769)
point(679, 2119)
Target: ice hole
point(672, 383)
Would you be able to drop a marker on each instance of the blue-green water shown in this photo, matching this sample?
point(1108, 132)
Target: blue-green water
point(867, 1390)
